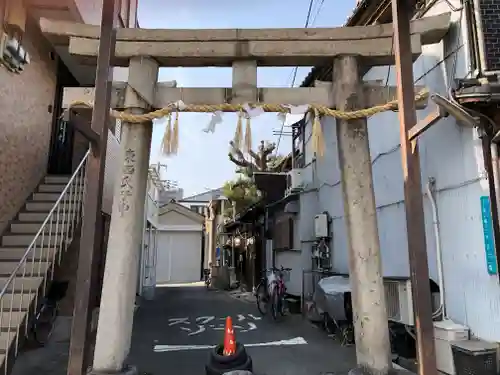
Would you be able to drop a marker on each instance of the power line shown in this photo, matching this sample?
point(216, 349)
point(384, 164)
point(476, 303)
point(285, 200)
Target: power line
point(294, 77)
point(317, 12)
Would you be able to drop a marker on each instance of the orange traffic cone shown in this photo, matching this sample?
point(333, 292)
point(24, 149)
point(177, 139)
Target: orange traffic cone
point(229, 341)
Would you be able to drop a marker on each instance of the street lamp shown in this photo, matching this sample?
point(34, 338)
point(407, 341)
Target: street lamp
point(237, 241)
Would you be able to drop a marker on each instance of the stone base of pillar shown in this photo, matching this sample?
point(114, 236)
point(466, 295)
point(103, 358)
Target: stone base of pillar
point(129, 370)
point(396, 370)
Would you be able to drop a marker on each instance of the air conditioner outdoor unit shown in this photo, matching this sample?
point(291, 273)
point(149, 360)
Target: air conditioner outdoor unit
point(295, 180)
point(12, 55)
point(399, 301)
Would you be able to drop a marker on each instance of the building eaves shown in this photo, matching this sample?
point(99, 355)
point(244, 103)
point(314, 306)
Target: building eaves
point(365, 13)
point(196, 197)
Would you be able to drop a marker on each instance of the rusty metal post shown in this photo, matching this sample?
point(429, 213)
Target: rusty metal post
point(91, 231)
point(415, 221)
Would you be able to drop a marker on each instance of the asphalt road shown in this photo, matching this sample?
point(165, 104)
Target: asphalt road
point(194, 317)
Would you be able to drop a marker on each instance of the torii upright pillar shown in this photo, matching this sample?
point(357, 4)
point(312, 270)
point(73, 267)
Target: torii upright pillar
point(116, 312)
point(365, 265)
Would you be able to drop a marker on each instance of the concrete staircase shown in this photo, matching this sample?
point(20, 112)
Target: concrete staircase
point(31, 250)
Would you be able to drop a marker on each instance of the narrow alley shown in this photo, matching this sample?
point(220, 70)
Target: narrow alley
point(193, 316)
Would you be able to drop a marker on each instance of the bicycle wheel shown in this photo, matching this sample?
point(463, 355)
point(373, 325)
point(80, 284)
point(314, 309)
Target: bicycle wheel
point(282, 304)
point(262, 298)
point(275, 302)
point(44, 324)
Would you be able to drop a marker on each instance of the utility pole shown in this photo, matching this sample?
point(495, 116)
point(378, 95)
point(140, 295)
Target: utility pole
point(116, 312)
point(90, 240)
point(415, 221)
point(365, 268)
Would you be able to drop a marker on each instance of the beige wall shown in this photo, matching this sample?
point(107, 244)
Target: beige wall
point(90, 11)
point(26, 125)
point(175, 218)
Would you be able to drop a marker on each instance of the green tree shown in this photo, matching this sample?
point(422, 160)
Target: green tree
point(242, 191)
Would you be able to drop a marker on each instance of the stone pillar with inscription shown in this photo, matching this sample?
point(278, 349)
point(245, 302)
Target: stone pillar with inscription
point(124, 244)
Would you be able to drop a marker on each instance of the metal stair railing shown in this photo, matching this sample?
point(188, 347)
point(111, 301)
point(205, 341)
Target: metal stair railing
point(34, 272)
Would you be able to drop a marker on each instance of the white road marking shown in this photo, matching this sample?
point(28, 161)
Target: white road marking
point(205, 323)
point(254, 317)
point(175, 348)
point(252, 327)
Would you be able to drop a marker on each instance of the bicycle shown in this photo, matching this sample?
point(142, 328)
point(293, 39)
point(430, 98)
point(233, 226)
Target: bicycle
point(272, 290)
point(207, 275)
point(43, 323)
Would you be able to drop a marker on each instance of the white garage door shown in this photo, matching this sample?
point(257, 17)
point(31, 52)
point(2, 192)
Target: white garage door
point(178, 257)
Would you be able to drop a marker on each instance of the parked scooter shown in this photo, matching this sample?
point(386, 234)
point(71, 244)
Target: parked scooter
point(207, 273)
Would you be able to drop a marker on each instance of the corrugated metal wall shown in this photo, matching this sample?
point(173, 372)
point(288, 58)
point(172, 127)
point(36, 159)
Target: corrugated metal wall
point(449, 153)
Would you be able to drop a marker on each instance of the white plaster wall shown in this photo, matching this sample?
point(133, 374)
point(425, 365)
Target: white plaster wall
point(293, 259)
point(449, 153)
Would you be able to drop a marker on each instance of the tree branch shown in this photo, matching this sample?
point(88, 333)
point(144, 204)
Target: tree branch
point(240, 163)
point(268, 149)
point(237, 152)
point(253, 154)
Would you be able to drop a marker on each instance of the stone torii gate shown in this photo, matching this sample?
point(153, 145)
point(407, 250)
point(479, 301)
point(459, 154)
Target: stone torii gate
point(351, 50)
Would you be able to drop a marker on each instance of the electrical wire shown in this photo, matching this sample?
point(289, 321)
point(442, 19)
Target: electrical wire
point(294, 74)
point(320, 6)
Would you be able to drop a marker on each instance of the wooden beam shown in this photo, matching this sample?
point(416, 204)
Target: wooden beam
point(82, 125)
point(414, 205)
point(431, 29)
point(90, 254)
point(222, 54)
point(166, 94)
point(424, 124)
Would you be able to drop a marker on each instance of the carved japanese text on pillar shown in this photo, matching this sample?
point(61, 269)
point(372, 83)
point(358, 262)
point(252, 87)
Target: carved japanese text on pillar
point(126, 187)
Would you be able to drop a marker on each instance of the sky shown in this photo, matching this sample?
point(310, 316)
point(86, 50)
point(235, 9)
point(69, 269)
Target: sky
point(202, 162)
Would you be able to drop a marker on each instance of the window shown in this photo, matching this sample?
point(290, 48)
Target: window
point(283, 232)
point(200, 209)
point(298, 144)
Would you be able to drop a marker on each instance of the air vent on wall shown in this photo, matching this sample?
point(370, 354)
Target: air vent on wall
point(399, 301)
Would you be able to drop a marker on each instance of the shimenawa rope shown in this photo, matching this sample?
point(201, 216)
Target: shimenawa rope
point(171, 136)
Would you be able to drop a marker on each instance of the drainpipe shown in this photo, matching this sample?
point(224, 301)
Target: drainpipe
point(488, 166)
point(480, 35)
point(431, 189)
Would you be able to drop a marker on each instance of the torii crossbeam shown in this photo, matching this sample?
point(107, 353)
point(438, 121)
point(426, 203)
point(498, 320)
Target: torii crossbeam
point(270, 47)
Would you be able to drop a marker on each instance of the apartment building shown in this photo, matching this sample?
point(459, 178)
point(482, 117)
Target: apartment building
point(33, 141)
point(42, 157)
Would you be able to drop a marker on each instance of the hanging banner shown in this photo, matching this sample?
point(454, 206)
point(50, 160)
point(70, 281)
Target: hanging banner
point(489, 238)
